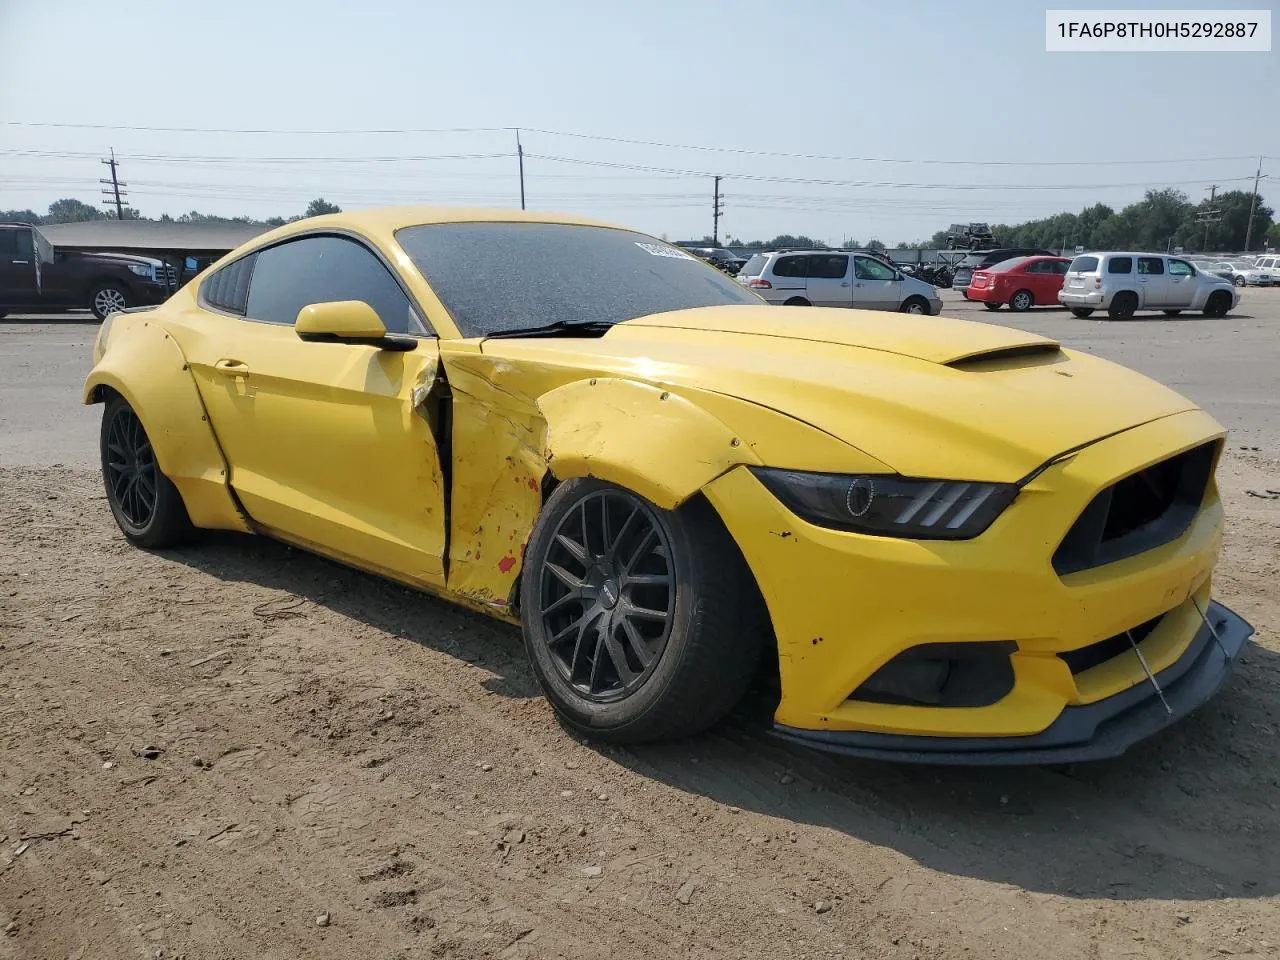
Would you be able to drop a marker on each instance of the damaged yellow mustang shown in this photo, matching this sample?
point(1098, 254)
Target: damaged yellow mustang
point(963, 543)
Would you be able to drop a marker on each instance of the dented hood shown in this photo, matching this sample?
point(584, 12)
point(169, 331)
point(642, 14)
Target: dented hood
point(928, 396)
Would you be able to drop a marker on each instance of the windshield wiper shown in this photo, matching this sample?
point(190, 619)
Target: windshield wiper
point(561, 328)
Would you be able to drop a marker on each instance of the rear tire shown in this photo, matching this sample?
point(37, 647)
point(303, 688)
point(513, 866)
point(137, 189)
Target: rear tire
point(992, 306)
point(797, 302)
point(1022, 301)
point(599, 553)
point(1218, 304)
point(1171, 313)
point(916, 305)
point(1082, 312)
point(107, 298)
point(1238, 281)
point(1123, 306)
point(147, 506)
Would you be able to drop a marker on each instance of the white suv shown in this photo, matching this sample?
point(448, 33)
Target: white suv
point(1269, 266)
point(1122, 283)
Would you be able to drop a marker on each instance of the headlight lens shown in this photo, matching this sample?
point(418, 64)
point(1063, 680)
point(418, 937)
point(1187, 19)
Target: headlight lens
point(143, 269)
point(889, 505)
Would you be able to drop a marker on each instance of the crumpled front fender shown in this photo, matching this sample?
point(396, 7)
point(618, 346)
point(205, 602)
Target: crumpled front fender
point(652, 441)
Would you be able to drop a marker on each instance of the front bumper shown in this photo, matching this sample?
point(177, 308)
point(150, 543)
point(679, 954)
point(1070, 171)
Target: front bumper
point(1095, 731)
point(843, 605)
point(149, 293)
point(935, 306)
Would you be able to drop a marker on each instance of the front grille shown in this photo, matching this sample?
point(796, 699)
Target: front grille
point(1086, 658)
point(1139, 512)
point(167, 275)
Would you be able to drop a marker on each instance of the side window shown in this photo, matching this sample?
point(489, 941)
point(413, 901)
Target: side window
point(1120, 265)
point(1038, 266)
point(8, 244)
point(865, 268)
point(1180, 268)
point(790, 266)
point(1060, 267)
point(227, 290)
point(1150, 266)
point(25, 245)
point(321, 269)
point(828, 266)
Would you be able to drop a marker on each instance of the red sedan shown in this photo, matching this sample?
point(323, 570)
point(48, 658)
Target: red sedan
point(1022, 283)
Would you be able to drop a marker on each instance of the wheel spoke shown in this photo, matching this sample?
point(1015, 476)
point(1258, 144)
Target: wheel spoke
point(573, 596)
point(564, 576)
point(617, 656)
point(638, 646)
point(646, 579)
point(644, 613)
point(572, 630)
point(580, 646)
point(646, 544)
point(576, 550)
point(622, 532)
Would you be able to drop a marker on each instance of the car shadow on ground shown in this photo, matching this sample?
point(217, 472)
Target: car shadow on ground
point(1190, 815)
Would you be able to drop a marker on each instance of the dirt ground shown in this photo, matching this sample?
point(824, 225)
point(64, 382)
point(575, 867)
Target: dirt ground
point(237, 750)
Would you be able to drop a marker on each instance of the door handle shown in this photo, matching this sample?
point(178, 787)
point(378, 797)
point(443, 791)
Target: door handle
point(232, 368)
point(23, 262)
point(845, 284)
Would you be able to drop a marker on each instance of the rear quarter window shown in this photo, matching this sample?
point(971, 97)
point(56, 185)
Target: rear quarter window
point(797, 266)
point(1120, 265)
point(754, 267)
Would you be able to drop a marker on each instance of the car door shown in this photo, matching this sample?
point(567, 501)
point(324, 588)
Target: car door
point(327, 443)
point(18, 278)
point(875, 285)
point(1152, 282)
point(829, 283)
point(1180, 280)
point(789, 272)
point(1055, 274)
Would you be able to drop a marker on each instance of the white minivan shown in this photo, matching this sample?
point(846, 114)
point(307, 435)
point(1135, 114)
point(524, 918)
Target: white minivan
point(1122, 283)
point(836, 278)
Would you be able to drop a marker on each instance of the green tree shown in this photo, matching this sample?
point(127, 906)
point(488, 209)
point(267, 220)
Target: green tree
point(69, 210)
point(20, 216)
point(320, 206)
point(875, 246)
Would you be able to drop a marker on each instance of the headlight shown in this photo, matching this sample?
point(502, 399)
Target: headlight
point(890, 506)
point(143, 270)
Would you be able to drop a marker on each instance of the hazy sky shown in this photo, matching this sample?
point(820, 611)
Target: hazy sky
point(927, 83)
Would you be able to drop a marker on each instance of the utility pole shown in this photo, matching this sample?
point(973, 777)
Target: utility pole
point(1210, 215)
point(717, 208)
point(114, 195)
point(1253, 206)
point(520, 154)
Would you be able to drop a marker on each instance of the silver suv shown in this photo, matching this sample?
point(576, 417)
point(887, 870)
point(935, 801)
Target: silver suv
point(1122, 283)
point(830, 278)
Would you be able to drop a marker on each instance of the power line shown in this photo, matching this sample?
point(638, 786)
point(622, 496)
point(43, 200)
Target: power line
point(667, 145)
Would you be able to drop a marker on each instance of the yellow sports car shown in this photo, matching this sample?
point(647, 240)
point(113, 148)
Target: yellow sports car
point(962, 543)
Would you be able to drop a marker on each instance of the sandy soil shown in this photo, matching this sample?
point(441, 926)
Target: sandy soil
point(240, 750)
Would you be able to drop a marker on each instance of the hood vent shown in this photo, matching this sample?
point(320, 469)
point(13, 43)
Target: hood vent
point(999, 358)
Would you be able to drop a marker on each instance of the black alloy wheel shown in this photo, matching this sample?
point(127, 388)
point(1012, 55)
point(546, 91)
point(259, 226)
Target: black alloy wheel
point(129, 468)
point(640, 623)
point(607, 595)
point(147, 506)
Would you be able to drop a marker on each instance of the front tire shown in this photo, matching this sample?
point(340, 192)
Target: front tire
point(1123, 306)
point(147, 506)
point(640, 623)
point(916, 305)
point(1218, 304)
point(1022, 301)
point(992, 306)
point(107, 298)
point(1238, 281)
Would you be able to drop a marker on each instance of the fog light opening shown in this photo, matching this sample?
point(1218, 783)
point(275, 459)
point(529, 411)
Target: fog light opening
point(943, 675)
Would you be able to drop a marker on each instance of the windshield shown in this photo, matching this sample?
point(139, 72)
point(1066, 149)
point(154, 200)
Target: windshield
point(496, 277)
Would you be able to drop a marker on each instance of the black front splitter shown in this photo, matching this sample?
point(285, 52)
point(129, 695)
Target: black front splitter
point(1094, 731)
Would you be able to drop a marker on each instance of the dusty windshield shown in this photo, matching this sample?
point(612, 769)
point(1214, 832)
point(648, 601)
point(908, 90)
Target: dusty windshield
point(496, 277)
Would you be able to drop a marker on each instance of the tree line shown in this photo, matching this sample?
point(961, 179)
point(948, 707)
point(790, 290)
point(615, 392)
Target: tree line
point(1161, 220)
point(70, 210)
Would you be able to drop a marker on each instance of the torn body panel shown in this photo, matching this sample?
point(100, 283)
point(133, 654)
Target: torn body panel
point(169, 405)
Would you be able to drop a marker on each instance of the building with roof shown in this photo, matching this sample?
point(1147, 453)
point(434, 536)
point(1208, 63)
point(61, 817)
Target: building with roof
point(189, 247)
